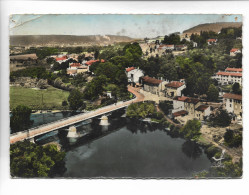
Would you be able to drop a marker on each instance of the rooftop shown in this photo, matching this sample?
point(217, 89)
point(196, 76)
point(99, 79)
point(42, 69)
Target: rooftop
point(147, 79)
point(202, 107)
point(234, 50)
point(187, 99)
point(229, 74)
point(180, 113)
point(129, 69)
point(232, 96)
point(174, 84)
point(211, 40)
point(233, 70)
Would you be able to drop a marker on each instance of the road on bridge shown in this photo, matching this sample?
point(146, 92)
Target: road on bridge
point(74, 119)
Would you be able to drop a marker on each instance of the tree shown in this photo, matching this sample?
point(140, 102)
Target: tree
point(222, 118)
point(64, 103)
point(30, 160)
point(212, 93)
point(20, 118)
point(166, 106)
point(75, 100)
point(232, 138)
point(191, 130)
point(236, 88)
point(140, 110)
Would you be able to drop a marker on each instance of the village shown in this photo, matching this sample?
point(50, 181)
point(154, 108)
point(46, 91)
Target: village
point(186, 76)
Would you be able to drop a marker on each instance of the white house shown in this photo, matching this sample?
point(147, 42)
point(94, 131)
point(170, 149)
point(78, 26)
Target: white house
point(134, 75)
point(174, 88)
point(230, 76)
point(178, 104)
point(202, 111)
point(212, 41)
point(234, 51)
point(233, 103)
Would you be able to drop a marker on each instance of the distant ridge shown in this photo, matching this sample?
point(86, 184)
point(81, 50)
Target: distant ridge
point(216, 27)
point(65, 40)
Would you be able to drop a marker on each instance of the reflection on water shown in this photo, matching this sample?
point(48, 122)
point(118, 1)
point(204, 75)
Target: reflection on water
point(129, 148)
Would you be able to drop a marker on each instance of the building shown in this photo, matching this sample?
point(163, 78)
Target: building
point(151, 85)
point(75, 68)
point(202, 111)
point(233, 103)
point(229, 76)
point(192, 107)
point(212, 41)
point(174, 88)
point(134, 75)
point(61, 59)
point(181, 47)
point(234, 51)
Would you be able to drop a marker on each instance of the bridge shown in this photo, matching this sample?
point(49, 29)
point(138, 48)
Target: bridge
point(33, 132)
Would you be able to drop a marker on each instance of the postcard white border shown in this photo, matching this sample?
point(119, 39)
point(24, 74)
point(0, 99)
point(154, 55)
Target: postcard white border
point(66, 186)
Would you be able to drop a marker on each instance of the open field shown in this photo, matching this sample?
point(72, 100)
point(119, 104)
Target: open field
point(52, 98)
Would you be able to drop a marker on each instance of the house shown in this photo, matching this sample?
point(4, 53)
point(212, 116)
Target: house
point(234, 51)
point(202, 111)
point(174, 88)
point(61, 59)
point(90, 62)
point(228, 77)
point(212, 41)
point(192, 107)
point(72, 72)
point(151, 85)
point(233, 103)
point(166, 47)
point(134, 75)
point(74, 65)
point(181, 47)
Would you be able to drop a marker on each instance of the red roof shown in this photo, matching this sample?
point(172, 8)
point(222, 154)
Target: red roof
point(232, 96)
point(90, 62)
point(147, 79)
point(234, 49)
point(212, 40)
point(202, 108)
point(234, 69)
point(61, 59)
point(180, 113)
point(75, 65)
point(187, 99)
point(129, 69)
point(174, 84)
point(229, 74)
point(180, 98)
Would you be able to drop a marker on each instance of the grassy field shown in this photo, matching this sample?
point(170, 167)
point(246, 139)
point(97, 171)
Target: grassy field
point(52, 98)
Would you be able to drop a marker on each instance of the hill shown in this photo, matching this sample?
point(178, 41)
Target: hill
point(65, 40)
point(216, 27)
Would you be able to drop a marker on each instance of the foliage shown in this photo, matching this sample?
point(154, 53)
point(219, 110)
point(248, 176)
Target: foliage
point(33, 72)
point(75, 100)
point(20, 118)
point(166, 106)
point(95, 87)
point(191, 130)
point(233, 139)
point(221, 119)
point(30, 160)
point(140, 110)
point(171, 39)
point(79, 80)
point(64, 103)
point(236, 88)
point(212, 93)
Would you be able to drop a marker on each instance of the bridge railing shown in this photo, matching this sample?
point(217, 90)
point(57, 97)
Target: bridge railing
point(71, 117)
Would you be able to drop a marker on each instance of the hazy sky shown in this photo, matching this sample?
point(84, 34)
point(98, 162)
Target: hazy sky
point(135, 26)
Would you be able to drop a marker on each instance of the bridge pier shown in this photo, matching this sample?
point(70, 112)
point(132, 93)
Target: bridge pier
point(32, 140)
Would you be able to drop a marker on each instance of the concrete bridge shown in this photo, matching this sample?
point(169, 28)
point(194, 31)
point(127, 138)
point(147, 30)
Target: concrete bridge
point(33, 132)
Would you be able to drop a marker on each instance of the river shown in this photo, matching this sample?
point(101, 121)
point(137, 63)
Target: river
point(129, 149)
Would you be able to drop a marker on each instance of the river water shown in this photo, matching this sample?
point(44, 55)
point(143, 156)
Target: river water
point(130, 149)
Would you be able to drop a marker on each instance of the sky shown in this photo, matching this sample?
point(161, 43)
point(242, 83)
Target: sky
point(135, 26)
